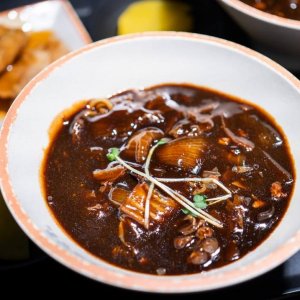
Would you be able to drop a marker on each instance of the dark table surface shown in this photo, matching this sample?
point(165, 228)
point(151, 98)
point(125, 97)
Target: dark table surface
point(99, 17)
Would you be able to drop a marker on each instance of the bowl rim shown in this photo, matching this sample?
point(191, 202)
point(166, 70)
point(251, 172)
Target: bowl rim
point(134, 280)
point(261, 15)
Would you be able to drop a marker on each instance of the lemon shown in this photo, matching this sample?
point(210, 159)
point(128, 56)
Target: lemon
point(155, 15)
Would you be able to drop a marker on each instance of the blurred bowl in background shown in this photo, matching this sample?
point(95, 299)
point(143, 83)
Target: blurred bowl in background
point(277, 37)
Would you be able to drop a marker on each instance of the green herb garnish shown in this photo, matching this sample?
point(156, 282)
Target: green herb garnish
point(112, 154)
point(200, 201)
point(187, 212)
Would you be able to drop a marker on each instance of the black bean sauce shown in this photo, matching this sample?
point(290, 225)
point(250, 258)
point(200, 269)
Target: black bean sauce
point(283, 8)
point(243, 149)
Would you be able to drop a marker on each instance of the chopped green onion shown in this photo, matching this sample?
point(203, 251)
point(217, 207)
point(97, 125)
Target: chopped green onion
point(112, 154)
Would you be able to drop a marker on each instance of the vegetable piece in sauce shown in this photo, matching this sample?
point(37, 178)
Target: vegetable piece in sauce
point(109, 174)
point(183, 153)
point(160, 206)
point(139, 145)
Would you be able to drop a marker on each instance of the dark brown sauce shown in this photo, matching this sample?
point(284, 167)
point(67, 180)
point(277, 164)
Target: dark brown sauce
point(283, 8)
point(260, 194)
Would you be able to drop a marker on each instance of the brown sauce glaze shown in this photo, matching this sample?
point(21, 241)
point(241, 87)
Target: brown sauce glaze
point(103, 206)
point(283, 8)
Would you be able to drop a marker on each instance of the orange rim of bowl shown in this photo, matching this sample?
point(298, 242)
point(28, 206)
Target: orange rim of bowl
point(264, 16)
point(114, 275)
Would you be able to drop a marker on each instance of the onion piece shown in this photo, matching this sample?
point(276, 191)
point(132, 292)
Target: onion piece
point(109, 174)
point(241, 141)
point(117, 195)
point(214, 173)
point(99, 106)
point(277, 165)
point(140, 143)
point(242, 169)
point(183, 152)
point(160, 206)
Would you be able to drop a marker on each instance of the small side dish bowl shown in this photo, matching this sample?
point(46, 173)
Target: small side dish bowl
point(58, 17)
point(136, 61)
point(276, 36)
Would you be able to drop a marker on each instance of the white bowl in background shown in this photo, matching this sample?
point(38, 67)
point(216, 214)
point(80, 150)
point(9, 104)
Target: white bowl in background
point(277, 37)
point(58, 16)
point(136, 61)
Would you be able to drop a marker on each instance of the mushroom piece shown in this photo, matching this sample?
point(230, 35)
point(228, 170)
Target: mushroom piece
point(204, 232)
point(181, 242)
point(210, 245)
point(198, 257)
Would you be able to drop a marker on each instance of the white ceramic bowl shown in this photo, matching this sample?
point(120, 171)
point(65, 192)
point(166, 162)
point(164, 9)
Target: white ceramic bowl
point(277, 37)
point(142, 60)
